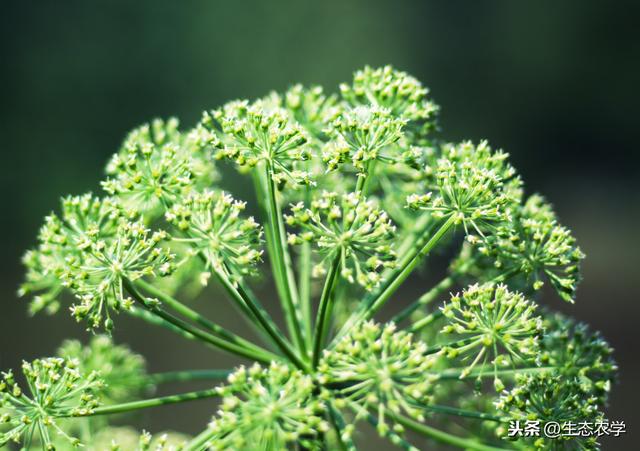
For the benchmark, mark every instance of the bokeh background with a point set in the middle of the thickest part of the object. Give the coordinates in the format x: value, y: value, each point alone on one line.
x: 553, y: 83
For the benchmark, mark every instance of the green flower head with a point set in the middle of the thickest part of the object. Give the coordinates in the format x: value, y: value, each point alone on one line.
x: 577, y: 352
x: 96, y: 275
x: 56, y: 389
x: 474, y: 186
x: 377, y: 368
x: 83, y: 220
x: 494, y: 325
x: 152, y: 170
x: 213, y: 226
x: 122, y: 370
x: 251, y: 133
x: 397, y: 91
x: 349, y: 228
x: 267, y: 409
x: 360, y: 136
x: 536, y: 246
x: 547, y: 397
x: 311, y: 108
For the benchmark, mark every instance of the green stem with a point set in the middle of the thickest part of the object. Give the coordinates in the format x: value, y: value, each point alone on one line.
x: 404, y: 269
x: 338, y: 423
x: 482, y: 372
x: 259, y: 354
x: 188, y: 375
x: 282, y: 266
x: 442, y: 436
x: 453, y: 344
x: 199, y: 442
x: 363, y: 181
x: 462, y: 413
x: 151, y: 318
x: 154, y: 402
x: 237, y: 291
x: 304, y: 283
x: 325, y: 309
x: 194, y: 316
x: 425, y: 321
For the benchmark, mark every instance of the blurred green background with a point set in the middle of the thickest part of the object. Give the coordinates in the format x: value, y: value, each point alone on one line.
x: 553, y: 83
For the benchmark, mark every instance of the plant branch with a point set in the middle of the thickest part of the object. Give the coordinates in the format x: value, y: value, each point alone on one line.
x: 198, y: 443
x: 257, y: 354
x: 238, y: 293
x: 442, y: 436
x: 192, y: 315
x: 153, y: 402
x: 281, y: 263
x: 337, y: 421
x: 325, y: 309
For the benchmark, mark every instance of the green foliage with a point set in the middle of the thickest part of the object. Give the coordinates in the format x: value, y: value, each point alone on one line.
x: 373, y: 191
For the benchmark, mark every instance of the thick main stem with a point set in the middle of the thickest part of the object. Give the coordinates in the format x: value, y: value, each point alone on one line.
x: 325, y: 309
x: 282, y: 264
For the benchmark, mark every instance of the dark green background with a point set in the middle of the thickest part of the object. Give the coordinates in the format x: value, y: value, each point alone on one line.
x: 555, y: 83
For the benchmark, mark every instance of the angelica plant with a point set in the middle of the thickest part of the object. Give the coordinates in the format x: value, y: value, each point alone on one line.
x: 353, y: 194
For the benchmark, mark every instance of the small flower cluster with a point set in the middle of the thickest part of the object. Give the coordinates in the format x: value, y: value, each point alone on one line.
x: 397, y: 91
x: 251, y: 133
x: 213, y: 226
x: 381, y: 369
x: 577, y: 352
x: 550, y: 397
x: 311, y: 108
x: 97, y: 276
x: 151, y: 170
x: 475, y: 187
x: 84, y: 220
x: 122, y: 371
x: 266, y: 409
x: 534, y: 245
x: 492, y: 323
x: 350, y: 229
x: 57, y: 389
x: 360, y: 134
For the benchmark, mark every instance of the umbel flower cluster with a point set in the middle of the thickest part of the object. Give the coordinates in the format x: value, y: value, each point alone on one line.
x: 354, y: 192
